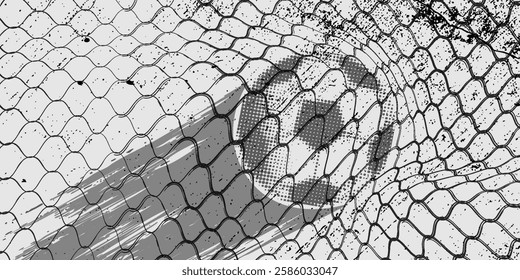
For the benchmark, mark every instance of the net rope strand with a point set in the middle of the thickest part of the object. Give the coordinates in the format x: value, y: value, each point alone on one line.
x: 259, y: 129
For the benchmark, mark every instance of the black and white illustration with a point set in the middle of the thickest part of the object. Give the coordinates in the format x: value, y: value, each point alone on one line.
x: 259, y: 129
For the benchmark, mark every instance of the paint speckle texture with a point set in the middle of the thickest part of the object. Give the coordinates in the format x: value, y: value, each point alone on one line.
x: 159, y: 129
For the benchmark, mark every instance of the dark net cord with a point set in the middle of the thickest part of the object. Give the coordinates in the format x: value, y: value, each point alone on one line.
x: 259, y: 129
